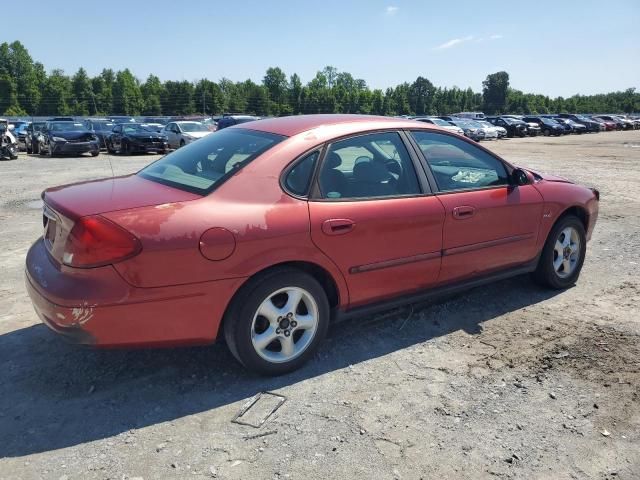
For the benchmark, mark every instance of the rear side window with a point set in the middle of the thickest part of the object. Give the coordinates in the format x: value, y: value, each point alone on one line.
x: 373, y: 165
x: 299, y: 177
x: 458, y: 165
x: 200, y: 166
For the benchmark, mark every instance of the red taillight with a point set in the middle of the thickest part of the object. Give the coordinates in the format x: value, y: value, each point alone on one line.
x: 95, y: 241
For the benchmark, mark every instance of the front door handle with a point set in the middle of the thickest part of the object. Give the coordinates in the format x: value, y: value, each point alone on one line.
x: 338, y: 226
x: 463, y: 212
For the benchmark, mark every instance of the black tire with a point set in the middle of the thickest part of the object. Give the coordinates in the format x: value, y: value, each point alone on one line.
x: 36, y: 148
x: 545, y: 274
x: 546, y: 132
x: 28, y: 149
x: 94, y: 154
x: 163, y: 151
x: 110, y: 150
x: 238, y: 321
x: 181, y: 143
x: 125, y: 148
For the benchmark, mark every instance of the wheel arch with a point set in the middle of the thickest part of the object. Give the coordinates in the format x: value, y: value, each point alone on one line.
x: 319, y: 273
x: 578, y: 211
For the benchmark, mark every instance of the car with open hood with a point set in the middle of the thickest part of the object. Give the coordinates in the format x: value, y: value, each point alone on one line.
x: 265, y: 233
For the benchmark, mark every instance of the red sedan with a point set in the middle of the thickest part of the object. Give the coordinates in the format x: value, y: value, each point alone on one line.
x: 267, y: 231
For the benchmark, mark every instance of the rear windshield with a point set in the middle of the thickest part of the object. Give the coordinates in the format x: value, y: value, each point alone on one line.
x: 200, y: 166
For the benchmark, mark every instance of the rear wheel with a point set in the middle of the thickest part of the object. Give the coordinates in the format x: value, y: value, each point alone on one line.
x: 276, y: 322
x: 546, y: 132
x: 563, y: 254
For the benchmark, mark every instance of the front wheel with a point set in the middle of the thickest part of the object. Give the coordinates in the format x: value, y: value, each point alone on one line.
x: 276, y: 322
x: 562, y: 255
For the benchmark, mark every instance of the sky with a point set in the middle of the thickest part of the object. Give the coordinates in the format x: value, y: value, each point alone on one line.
x: 556, y: 48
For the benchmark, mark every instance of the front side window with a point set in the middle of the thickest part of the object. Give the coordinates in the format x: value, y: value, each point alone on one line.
x: 458, y: 165
x: 374, y: 165
x: 200, y: 166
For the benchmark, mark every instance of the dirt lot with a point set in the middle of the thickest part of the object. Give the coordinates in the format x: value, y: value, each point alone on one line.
x: 507, y: 381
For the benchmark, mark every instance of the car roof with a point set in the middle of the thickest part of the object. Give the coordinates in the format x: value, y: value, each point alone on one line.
x: 293, y: 125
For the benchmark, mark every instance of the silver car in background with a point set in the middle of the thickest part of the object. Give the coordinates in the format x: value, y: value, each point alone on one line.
x: 182, y: 133
x: 440, y: 123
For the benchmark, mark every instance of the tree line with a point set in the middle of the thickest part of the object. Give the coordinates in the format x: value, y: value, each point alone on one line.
x: 27, y: 89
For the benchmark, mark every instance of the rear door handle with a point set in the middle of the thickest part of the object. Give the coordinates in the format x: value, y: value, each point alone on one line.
x: 463, y: 212
x: 338, y: 226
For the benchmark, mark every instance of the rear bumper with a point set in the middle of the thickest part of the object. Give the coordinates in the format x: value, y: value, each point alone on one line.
x: 98, y: 307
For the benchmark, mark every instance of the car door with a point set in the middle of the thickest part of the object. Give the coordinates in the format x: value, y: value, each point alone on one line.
x: 170, y: 130
x: 490, y: 224
x: 373, y: 214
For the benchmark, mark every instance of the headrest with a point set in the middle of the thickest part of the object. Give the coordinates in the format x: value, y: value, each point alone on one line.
x: 373, y: 172
x: 333, y: 160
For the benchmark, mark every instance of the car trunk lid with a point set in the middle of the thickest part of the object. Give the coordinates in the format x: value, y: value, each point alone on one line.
x: 64, y: 205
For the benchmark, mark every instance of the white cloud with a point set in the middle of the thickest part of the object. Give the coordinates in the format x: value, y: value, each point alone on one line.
x: 453, y: 42
x: 496, y: 36
x: 391, y: 10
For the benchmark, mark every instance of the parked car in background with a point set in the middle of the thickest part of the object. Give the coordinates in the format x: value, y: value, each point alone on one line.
x: 629, y: 124
x: 158, y: 127
x: 608, y: 124
x: 471, y: 115
x: 61, y: 119
x: 617, y: 122
x: 263, y: 235
x: 548, y: 125
x: 470, y: 129
x: 20, y: 132
x: 441, y: 123
x: 32, y: 137
x: 182, y: 133
x: 513, y: 126
x: 230, y: 120
x: 101, y: 127
x: 575, y: 127
x: 501, y: 132
x: 122, y: 119
x: 211, y: 124
x: 67, y: 138
x: 590, y: 125
x: 129, y: 138
x: 158, y: 120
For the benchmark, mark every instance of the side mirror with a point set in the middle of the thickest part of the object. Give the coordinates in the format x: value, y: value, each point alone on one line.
x: 519, y: 177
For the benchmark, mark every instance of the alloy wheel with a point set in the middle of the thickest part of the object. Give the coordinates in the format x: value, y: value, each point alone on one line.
x: 284, y: 325
x: 566, y: 252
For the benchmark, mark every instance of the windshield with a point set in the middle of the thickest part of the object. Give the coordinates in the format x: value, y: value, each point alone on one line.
x: 485, y: 124
x: 66, y: 127
x: 201, y: 166
x: 103, y: 126
x: 582, y: 117
x: 439, y: 121
x: 136, y: 127
x: 36, y: 127
x: 193, y: 127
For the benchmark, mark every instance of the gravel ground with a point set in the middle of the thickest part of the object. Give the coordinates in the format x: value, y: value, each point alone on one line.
x: 507, y: 381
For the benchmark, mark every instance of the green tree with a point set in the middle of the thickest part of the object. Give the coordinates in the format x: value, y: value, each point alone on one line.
x: 8, y: 93
x: 83, y: 101
x: 127, y: 97
x: 421, y: 96
x: 494, y: 92
x: 178, y: 98
x: 152, y: 91
x: 275, y: 81
x: 295, y: 93
x: 56, y: 95
x: 208, y: 97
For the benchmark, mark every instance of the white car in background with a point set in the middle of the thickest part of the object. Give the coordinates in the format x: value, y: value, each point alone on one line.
x: 440, y: 123
x: 501, y: 131
x: 490, y: 132
x: 182, y: 133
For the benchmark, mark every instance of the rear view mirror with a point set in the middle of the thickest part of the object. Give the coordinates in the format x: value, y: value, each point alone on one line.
x: 519, y: 177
